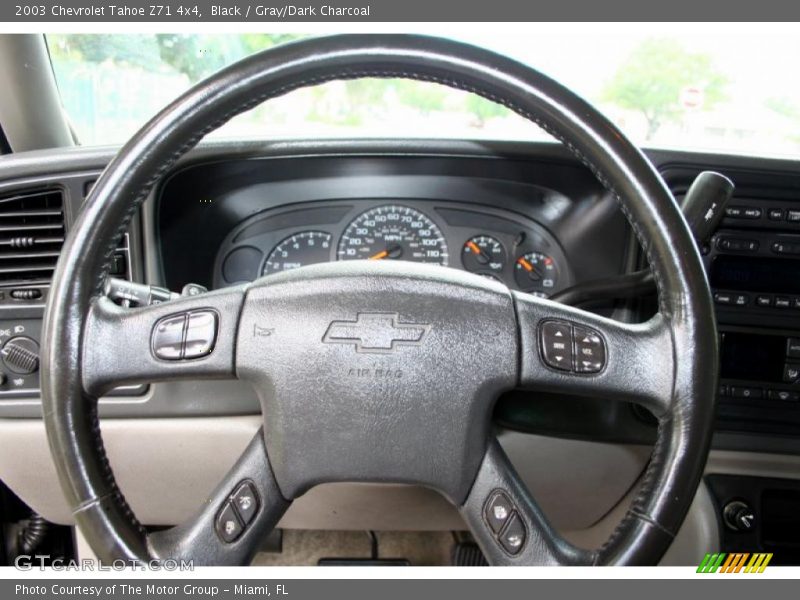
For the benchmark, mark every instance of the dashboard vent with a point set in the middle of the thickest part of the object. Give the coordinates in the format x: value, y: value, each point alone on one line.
x: 31, y: 236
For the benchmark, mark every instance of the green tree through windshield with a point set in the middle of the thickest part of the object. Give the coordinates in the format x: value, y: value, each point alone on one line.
x: 654, y: 77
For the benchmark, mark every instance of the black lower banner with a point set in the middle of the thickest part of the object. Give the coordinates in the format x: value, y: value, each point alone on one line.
x: 389, y: 589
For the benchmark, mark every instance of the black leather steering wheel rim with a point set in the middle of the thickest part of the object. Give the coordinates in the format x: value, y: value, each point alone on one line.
x: 685, y: 309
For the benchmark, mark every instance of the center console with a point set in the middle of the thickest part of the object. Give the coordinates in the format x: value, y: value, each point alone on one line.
x: 753, y: 265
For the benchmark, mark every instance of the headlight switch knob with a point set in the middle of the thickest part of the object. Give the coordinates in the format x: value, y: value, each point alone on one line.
x: 21, y: 355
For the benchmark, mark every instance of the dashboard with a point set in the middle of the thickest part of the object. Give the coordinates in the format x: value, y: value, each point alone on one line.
x: 527, y: 215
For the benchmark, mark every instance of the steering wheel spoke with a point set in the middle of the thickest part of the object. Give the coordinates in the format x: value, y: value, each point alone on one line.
x: 569, y: 350
x: 233, y: 521
x: 191, y: 337
x: 508, y: 524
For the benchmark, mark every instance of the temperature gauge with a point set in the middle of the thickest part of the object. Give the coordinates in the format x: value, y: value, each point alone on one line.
x: 483, y: 254
x: 536, y: 273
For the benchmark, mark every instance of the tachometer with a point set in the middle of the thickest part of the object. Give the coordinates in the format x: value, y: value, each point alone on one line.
x: 393, y: 232
x: 299, y: 250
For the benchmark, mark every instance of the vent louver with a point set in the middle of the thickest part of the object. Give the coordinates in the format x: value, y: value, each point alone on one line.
x: 31, y: 236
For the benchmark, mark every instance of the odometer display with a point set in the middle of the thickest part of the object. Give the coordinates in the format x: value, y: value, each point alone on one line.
x: 393, y: 232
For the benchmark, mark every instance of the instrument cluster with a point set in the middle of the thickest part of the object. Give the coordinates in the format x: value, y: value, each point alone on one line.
x: 502, y: 245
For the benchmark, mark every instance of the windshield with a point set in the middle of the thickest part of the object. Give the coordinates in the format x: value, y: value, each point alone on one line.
x: 725, y: 92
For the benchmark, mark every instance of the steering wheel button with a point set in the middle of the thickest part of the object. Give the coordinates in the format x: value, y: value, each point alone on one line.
x: 168, y: 335
x: 497, y: 511
x: 201, y: 333
x: 228, y: 526
x: 556, y: 344
x: 590, y: 351
x: 513, y: 536
x: 245, y: 500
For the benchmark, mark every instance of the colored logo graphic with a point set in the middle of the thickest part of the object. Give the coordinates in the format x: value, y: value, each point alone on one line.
x: 737, y: 562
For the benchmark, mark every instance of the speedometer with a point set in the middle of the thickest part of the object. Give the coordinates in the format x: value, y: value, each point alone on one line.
x: 393, y: 232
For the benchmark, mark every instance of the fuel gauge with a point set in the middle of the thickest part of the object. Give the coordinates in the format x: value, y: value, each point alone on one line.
x: 483, y: 254
x: 536, y: 273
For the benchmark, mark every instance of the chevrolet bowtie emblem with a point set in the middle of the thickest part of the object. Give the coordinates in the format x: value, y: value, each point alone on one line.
x: 375, y: 332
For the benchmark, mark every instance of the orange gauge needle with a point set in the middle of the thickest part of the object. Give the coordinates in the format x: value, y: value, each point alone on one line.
x: 380, y: 255
x: 474, y: 247
x: 525, y: 264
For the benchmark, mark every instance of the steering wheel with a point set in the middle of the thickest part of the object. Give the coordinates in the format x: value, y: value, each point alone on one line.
x: 366, y: 371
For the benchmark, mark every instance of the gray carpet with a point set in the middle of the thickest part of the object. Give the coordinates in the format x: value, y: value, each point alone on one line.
x: 305, y: 547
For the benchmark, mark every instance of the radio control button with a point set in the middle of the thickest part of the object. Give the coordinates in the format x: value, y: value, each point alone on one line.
x: 741, y: 299
x: 556, y: 340
x: 723, y: 298
x: 590, y: 352
x: 793, y: 216
x: 743, y: 212
x: 782, y: 302
x: 784, y: 395
x: 791, y: 373
x: 764, y: 301
x: 734, y: 212
x: 785, y: 248
x: 747, y: 392
x: 795, y: 302
x: 793, y: 348
x: 738, y: 244
x: 775, y: 214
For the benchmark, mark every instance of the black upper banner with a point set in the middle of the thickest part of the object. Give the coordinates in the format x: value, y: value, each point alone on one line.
x: 356, y: 11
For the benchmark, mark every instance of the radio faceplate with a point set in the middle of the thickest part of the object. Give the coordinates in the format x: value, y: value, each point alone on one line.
x: 753, y: 265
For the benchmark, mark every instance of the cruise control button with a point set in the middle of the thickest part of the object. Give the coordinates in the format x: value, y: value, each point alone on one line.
x: 201, y: 333
x: 245, y: 500
x: 556, y: 343
x: 513, y: 536
x: 497, y: 511
x: 590, y: 351
x: 168, y: 337
x: 227, y: 525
